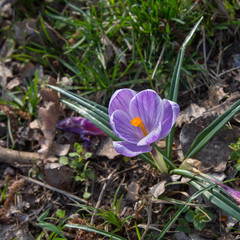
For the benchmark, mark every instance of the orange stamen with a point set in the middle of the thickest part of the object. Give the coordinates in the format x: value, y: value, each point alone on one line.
x: 137, y: 122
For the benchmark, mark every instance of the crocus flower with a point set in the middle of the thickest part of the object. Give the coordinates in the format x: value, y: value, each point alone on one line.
x: 140, y: 119
x: 81, y: 126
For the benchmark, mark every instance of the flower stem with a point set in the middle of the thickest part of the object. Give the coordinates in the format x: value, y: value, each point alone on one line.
x: 159, y: 161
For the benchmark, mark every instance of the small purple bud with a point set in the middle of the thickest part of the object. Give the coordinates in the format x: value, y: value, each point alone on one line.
x: 81, y: 126
x: 233, y: 193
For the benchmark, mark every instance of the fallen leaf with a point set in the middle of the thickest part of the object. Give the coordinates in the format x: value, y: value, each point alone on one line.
x: 58, y: 176
x: 61, y: 149
x: 132, y: 194
x: 35, y: 124
x: 5, y: 73
x: 106, y: 149
x: 158, y: 189
x: 66, y: 81
x: 48, y: 116
x: 216, y: 94
x: 13, y: 83
x: 192, y: 112
x: 29, y: 71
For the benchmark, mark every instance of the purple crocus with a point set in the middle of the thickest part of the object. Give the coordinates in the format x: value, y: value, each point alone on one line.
x: 81, y: 126
x: 140, y: 119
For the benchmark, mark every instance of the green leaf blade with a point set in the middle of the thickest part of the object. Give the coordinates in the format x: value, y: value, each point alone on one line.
x: 173, y: 95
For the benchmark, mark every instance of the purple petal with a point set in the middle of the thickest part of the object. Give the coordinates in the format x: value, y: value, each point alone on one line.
x: 149, y: 107
x: 120, y: 100
x: 130, y: 149
x: 152, y: 137
x: 171, y: 111
x: 121, y: 125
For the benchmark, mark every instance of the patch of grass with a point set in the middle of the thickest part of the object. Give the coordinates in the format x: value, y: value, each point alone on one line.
x: 111, y: 44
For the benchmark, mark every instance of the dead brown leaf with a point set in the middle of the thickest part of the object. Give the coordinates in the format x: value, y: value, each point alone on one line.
x: 13, y: 83
x: 61, y: 149
x: 216, y: 94
x: 5, y: 73
x: 158, y: 189
x: 133, y: 189
x: 106, y: 149
x: 48, y: 116
x: 192, y: 112
x: 32, y: 30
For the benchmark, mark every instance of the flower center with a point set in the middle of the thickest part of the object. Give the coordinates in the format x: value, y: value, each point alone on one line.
x: 137, y: 122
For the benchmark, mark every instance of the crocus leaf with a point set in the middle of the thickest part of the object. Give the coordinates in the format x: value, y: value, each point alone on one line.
x: 96, y: 108
x: 212, y: 195
x: 206, y: 135
x: 96, y: 230
x: 173, y: 94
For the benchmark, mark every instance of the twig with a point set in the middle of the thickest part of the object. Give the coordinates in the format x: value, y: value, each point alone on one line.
x: 101, y: 194
x: 230, y: 70
x: 159, y: 60
x: 69, y: 195
x: 220, y: 55
x: 149, y: 220
x: 13, y: 156
x: 205, y: 54
x: 13, y: 189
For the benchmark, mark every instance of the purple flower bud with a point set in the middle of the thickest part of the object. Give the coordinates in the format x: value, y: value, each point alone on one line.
x: 233, y: 193
x: 81, y: 126
x: 140, y: 119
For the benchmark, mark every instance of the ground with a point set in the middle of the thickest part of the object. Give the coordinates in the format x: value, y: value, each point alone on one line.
x: 50, y: 177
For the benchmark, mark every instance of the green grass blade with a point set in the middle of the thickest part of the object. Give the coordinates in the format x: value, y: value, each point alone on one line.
x: 99, y: 109
x: 206, y: 135
x: 96, y: 230
x: 94, y: 114
x: 45, y: 30
x: 144, y: 64
x: 51, y: 227
x: 173, y: 95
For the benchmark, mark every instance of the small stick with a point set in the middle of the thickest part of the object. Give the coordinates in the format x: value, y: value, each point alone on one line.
x: 149, y: 220
x: 230, y: 70
x: 220, y: 55
x: 13, y: 156
x: 205, y: 53
x: 69, y: 195
x: 159, y: 60
x: 101, y: 194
